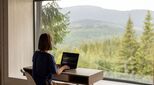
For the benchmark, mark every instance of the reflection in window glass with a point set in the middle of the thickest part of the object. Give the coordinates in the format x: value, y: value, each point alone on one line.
x: 115, y: 39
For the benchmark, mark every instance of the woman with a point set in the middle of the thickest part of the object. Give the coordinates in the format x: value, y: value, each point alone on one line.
x: 44, y: 65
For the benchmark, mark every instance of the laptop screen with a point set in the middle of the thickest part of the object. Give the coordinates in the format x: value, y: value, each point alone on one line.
x: 70, y: 59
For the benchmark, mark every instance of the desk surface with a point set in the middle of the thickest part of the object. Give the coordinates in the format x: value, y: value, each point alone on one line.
x: 79, y: 75
x: 82, y: 72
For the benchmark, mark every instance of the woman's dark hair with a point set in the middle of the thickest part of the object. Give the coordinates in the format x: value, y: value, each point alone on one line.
x: 45, y: 42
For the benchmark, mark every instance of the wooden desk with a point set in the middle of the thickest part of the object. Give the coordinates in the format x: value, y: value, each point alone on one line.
x: 78, y: 76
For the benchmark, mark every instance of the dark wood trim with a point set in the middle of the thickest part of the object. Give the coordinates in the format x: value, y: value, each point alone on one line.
x: 5, y: 40
x: 34, y: 26
x: 1, y: 42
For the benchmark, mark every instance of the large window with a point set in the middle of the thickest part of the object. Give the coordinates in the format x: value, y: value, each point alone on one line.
x: 116, y: 36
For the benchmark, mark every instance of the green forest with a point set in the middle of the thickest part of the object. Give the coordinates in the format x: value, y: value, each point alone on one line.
x: 127, y: 54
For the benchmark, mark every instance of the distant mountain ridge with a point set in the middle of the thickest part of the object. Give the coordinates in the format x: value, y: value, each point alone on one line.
x: 96, y: 23
x: 79, y: 13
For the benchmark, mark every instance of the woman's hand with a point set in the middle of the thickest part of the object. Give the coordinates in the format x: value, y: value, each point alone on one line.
x: 60, y: 70
x: 66, y: 67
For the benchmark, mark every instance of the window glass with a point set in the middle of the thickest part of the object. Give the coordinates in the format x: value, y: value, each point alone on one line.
x: 116, y: 38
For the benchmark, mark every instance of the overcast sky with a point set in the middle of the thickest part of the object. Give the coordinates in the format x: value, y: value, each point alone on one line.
x: 122, y: 5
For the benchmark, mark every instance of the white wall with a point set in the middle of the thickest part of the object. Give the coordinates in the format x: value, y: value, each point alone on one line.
x: 20, y: 36
x: 16, y: 39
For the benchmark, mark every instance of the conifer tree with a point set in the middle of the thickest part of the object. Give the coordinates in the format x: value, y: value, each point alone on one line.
x: 144, y: 53
x: 128, y: 49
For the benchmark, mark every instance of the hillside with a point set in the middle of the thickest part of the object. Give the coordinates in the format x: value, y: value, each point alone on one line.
x: 78, y: 13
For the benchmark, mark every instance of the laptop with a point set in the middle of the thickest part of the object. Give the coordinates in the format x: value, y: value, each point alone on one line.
x: 70, y: 59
